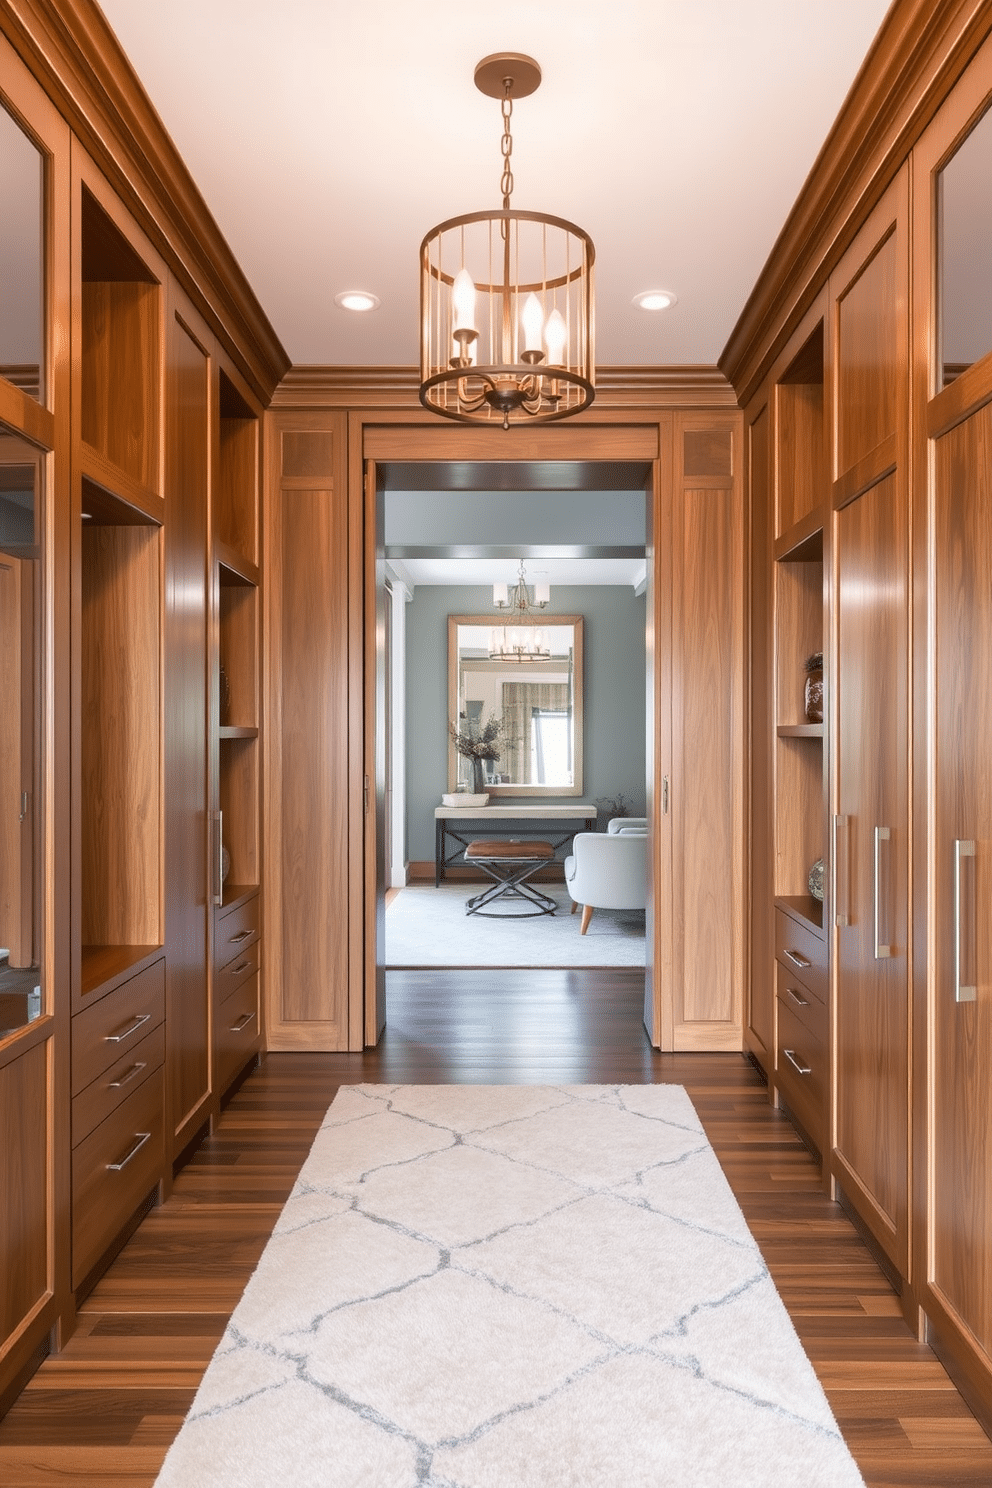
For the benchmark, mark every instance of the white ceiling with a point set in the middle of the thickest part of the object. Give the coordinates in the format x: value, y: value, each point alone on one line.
x: 621, y: 572
x: 328, y: 136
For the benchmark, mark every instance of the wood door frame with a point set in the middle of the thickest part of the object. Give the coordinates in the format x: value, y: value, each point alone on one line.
x: 374, y: 438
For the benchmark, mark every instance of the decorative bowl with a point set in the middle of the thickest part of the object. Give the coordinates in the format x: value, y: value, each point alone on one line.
x: 466, y: 799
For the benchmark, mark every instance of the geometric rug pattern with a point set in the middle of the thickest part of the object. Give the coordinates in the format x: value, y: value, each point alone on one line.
x: 510, y: 1287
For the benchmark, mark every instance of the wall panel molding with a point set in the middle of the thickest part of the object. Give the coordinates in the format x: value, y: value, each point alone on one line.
x: 363, y: 388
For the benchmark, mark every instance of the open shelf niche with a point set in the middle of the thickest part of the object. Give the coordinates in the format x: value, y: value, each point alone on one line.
x: 121, y: 350
x: 800, y: 781
x: 238, y: 728
x: 235, y: 501
x: 120, y: 731
x: 801, y: 444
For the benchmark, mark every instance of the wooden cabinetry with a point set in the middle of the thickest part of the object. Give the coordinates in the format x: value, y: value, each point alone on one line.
x: 118, y: 1110
x: 870, y: 1156
x: 906, y: 514
x: 130, y: 393
x: 310, y: 552
x: 236, y: 869
x: 35, y: 866
x: 788, y: 1020
x: 952, y: 867
x: 802, y: 1058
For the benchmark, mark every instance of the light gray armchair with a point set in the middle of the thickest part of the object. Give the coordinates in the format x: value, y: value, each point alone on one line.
x: 607, y: 871
x: 626, y: 824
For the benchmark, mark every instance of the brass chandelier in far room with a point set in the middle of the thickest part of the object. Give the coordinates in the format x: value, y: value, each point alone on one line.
x: 506, y: 298
x: 521, y: 640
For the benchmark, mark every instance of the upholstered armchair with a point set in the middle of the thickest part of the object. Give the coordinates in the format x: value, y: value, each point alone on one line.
x: 607, y: 870
x: 626, y: 824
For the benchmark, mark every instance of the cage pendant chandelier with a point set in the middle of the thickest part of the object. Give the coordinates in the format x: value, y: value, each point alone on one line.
x: 506, y: 298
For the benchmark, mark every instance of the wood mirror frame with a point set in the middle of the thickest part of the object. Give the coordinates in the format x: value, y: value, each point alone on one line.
x: 494, y: 621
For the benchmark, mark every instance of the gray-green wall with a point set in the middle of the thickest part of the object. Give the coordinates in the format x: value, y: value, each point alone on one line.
x: 614, y: 696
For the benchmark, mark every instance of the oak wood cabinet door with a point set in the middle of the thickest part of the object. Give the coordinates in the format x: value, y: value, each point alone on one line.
x: 871, y: 846
x: 960, y: 1262
x: 870, y: 1154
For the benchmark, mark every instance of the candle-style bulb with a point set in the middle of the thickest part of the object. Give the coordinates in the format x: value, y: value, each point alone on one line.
x: 533, y: 322
x: 463, y: 301
x: 555, y: 337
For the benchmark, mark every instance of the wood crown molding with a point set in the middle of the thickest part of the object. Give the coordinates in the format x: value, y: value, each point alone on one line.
x: 74, y: 55
x: 918, y: 55
x: 397, y: 388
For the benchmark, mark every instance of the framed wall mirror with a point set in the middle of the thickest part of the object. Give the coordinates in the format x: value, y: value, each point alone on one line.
x: 964, y: 253
x: 522, y: 684
x: 21, y: 752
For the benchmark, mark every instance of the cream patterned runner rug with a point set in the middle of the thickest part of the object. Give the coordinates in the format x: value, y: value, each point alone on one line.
x: 510, y: 1286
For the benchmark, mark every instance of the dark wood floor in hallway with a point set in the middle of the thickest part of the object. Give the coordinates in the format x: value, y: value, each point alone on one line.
x: 104, y: 1411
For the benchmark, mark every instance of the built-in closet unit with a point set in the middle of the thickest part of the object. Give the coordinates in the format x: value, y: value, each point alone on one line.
x: 864, y: 365
x: 130, y: 581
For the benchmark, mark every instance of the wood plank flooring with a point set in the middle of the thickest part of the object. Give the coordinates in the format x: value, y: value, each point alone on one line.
x: 104, y: 1411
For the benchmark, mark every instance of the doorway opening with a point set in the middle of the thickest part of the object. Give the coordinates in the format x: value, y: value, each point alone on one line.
x: 446, y: 532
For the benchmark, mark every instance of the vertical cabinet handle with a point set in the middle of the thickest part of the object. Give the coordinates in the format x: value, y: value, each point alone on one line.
x: 965, y: 990
x: 218, y: 857
x: 882, y: 950
x: 840, y: 873
x: 664, y: 795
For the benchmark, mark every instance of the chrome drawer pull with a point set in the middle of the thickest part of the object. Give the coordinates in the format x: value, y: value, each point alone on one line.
x: 964, y: 990
x: 128, y: 1075
x: 242, y: 1023
x: 802, y: 1069
x: 124, y: 1033
x: 241, y: 966
x: 798, y: 960
x: 799, y: 1001
x: 141, y: 1139
x: 237, y: 939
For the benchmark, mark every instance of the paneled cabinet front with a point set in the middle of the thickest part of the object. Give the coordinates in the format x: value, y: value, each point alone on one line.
x: 871, y: 822
x: 118, y: 1111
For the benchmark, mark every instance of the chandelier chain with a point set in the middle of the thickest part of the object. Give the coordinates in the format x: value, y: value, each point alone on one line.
x: 506, y: 144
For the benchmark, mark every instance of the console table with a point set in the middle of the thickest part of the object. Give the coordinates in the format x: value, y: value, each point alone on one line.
x: 463, y: 824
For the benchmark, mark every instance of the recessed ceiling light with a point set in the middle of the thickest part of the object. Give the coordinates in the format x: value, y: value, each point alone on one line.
x: 655, y: 299
x: 356, y: 299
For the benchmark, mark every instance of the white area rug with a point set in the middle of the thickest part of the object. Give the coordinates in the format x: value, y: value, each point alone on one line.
x: 429, y: 927
x: 510, y: 1287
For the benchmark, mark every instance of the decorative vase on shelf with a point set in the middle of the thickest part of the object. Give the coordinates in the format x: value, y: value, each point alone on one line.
x: 225, y: 863
x: 478, y: 777
x: 815, y: 880
x: 814, y: 687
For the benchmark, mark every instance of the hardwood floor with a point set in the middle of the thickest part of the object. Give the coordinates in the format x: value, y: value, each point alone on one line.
x: 104, y: 1411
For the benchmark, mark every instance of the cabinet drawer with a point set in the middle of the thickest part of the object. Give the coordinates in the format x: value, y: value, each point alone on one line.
x: 103, y: 1033
x: 234, y: 931
x: 112, y: 1171
x: 235, y: 1031
x: 243, y: 966
x: 113, y: 1086
x: 803, y: 952
x: 801, y: 1001
x: 801, y: 1072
